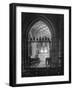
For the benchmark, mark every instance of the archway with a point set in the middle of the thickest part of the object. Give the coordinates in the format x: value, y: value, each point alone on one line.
x: 41, y: 43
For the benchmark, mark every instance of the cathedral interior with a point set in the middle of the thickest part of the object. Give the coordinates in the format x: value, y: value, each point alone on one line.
x: 42, y: 47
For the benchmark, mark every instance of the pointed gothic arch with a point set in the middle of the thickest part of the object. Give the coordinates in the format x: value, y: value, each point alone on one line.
x: 42, y: 28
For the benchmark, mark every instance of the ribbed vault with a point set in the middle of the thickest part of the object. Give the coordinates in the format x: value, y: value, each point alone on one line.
x: 40, y: 30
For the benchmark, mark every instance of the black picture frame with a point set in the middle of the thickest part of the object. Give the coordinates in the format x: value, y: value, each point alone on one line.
x: 12, y: 64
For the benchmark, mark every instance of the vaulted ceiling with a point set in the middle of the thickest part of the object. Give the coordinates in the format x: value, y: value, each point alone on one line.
x: 40, y: 29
